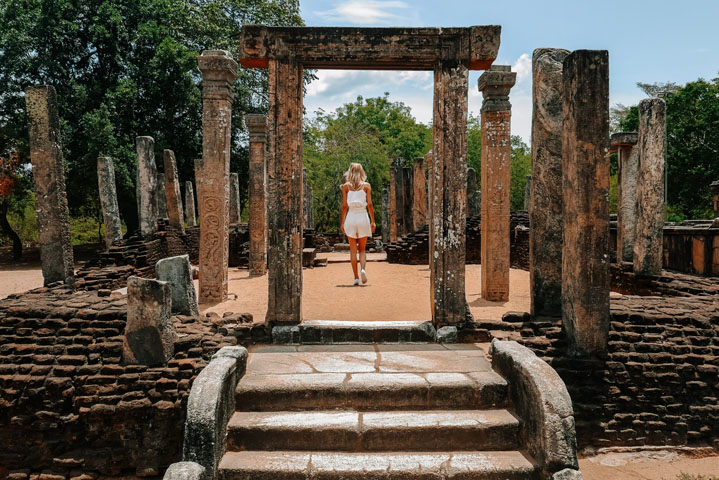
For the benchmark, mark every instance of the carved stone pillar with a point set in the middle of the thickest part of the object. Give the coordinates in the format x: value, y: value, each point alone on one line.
x: 545, y: 205
x: 419, y: 195
x: 585, y: 166
x: 257, y: 126
x: 218, y: 74
x: 284, y: 169
x: 53, y: 218
x: 172, y: 192
x: 448, y: 195
x: 648, y: 242
x: 628, y: 162
x: 108, y: 201
x: 190, y: 217
x: 495, y: 84
x: 146, y: 185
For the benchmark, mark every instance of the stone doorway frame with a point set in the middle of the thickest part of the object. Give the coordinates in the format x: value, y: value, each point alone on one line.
x: 450, y: 53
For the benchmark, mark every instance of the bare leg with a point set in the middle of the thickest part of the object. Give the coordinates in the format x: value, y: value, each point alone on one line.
x: 353, y: 255
x: 362, y: 243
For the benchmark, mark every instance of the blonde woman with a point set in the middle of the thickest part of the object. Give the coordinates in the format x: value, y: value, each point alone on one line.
x: 356, y: 201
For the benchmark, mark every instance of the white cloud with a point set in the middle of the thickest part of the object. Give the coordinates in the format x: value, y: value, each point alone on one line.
x: 365, y: 12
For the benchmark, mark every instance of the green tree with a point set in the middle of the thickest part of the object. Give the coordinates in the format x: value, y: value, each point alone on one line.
x: 520, y: 166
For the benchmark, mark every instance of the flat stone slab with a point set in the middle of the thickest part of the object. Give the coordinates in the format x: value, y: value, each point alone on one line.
x: 425, y: 465
x: 369, y: 377
x: 436, y: 430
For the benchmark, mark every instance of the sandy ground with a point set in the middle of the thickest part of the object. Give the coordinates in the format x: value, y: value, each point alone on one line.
x: 647, y: 465
x: 393, y: 292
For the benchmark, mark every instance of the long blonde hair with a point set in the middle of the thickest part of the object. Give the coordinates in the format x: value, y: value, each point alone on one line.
x: 356, y: 176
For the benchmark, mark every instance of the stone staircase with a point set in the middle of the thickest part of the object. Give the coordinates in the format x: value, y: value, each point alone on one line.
x: 373, y: 411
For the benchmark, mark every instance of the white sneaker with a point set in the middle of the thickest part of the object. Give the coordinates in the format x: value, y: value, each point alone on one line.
x: 356, y: 282
x: 363, y: 274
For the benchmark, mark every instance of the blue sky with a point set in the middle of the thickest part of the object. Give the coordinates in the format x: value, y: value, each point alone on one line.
x: 648, y: 41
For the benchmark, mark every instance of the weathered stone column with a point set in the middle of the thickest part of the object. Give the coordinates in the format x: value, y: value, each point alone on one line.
x: 448, y: 195
x: 545, y: 205
x: 715, y: 193
x: 419, y: 195
x: 172, y: 191
x: 408, y: 187
x: 161, y: 196
x: 198, y: 183
x: 527, y: 192
x: 53, y: 218
x: 473, y: 205
x: 428, y: 157
x: 648, y: 242
x: 393, y: 233
x: 628, y: 162
x: 257, y: 126
x: 385, y: 215
x: 235, y: 208
x: 308, y: 217
x: 585, y: 165
x: 218, y: 74
x: 190, y: 205
x: 149, y: 337
x: 495, y: 84
x: 146, y: 185
x: 284, y: 169
x: 108, y: 201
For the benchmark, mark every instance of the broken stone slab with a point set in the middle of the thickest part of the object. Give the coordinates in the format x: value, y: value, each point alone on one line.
x: 190, y: 216
x: 209, y: 407
x: 447, y: 334
x: 184, y: 471
x: 542, y: 401
x: 177, y: 272
x: 567, y: 474
x: 149, y: 332
x: 161, y: 196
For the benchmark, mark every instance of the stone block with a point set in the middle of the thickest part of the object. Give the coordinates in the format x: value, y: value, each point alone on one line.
x: 285, y: 334
x: 567, y: 474
x: 149, y: 332
x: 177, y: 272
x: 184, y: 471
x: 447, y: 334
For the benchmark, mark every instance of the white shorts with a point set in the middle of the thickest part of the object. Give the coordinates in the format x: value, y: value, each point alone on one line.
x: 357, y: 224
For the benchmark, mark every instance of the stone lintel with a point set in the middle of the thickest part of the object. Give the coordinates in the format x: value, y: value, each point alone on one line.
x: 623, y: 139
x: 403, y: 48
x: 495, y: 85
x: 219, y: 71
x: 257, y: 125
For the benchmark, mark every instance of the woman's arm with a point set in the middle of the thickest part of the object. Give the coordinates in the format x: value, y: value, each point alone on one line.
x: 370, y: 207
x: 344, y: 209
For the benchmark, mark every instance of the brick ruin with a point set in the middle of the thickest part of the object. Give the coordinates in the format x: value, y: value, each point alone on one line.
x: 641, y: 369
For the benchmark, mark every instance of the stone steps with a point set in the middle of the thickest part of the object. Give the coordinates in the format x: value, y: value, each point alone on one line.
x: 286, y: 465
x: 373, y: 411
x: 434, y: 430
x: 326, y: 332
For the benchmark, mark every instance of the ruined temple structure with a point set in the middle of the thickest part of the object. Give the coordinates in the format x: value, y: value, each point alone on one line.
x: 95, y: 383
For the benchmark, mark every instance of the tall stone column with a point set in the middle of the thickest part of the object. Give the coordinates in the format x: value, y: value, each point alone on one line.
x: 235, y: 208
x: 108, y: 201
x: 648, y: 242
x: 146, y: 185
x: 257, y: 126
x: 161, y: 196
x: 428, y: 158
x: 190, y: 217
x: 585, y: 165
x: 473, y: 205
x: 448, y: 195
x: 715, y: 193
x: 393, y: 220
x: 628, y: 162
x: 308, y: 217
x: 419, y: 195
x: 218, y: 74
x: 284, y: 169
x: 53, y: 218
x: 385, y: 215
x: 545, y: 204
x: 408, y: 187
x: 397, y: 174
x: 527, y: 192
x: 172, y: 192
x: 495, y: 84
